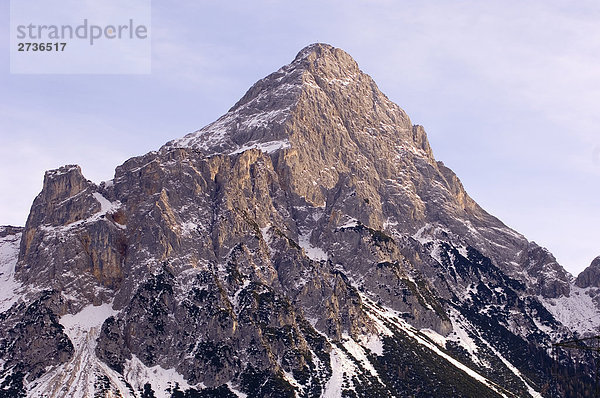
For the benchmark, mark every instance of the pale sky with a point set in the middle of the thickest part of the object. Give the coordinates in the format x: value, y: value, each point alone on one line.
x: 508, y: 93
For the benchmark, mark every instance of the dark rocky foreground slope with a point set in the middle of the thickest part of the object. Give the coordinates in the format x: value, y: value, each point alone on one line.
x: 307, y: 244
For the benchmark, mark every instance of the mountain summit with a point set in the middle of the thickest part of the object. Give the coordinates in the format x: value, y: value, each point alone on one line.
x: 276, y: 111
x: 338, y: 125
x: 305, y: 244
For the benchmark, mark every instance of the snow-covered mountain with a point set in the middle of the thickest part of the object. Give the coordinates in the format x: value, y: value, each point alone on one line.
x: 307, y: 243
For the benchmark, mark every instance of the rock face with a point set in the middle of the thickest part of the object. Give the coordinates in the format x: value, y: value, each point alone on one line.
x: 307, y: 243
x: 589, y: 281
x: 590, y: 277
x: 73, y: 237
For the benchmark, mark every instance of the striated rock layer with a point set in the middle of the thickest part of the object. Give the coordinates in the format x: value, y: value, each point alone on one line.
x: 307, y: 243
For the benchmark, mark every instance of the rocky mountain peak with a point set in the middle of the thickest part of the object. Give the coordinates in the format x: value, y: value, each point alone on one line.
x: 322, y: 84
x: 64, y: 199
x: 325, y: 61
x: 64, y: 182
x: 590, y: 277
x: 305, y: 244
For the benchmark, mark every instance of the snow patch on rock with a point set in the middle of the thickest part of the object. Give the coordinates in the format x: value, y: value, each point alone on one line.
x: 577, y: 312
x: 341, y: 365
x: 380, y: 313
x: 9, y: 253
x: 266, y: 147
x: 106, y: 207
x: 435, y: 337
x: 160, y: 379
x: 77, y: 377
x: 314, y: 253
x: 89, y: 318
x: 374, y: 343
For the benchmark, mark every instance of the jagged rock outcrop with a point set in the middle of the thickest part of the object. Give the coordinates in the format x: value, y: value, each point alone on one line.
x: 589, y: 281
x: 300, y: 245
x: 9, y: 230
x: 545, y: 274
x: 590, y: 277
x: 73, y: 238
